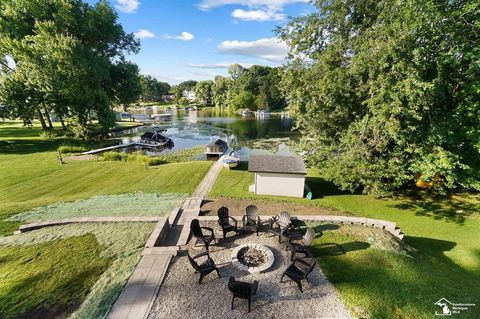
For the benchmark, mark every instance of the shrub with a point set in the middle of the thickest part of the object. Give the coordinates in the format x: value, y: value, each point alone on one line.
x: 183, y: 101
x: 47, y: 135
x: 64, y: 149
x: 134, y: 157
x: 115, y: 156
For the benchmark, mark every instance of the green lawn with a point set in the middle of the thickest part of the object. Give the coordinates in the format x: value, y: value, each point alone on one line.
x: 445, y: 231
x: 119, y: 243
x: 383, y: 282
x: 31, y: 176
x: 48, y: 279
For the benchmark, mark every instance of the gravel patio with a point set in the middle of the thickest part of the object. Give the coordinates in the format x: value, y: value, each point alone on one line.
x: 180, y: 296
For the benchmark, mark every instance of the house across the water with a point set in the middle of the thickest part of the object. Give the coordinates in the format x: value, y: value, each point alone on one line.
x: 282, y: 173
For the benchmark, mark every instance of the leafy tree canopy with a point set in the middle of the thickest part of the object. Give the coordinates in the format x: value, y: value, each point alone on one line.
x: 69, y: 58
x: 390, y: 91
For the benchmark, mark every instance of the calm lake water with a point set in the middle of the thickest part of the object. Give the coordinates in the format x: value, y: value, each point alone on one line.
x: 196, y: 128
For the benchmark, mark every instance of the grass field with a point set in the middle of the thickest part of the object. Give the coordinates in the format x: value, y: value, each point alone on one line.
x: 444, y: 230
x: 38, y: 281
x: 32, y: 177
x: 379, y: 280
x: 120, y: 244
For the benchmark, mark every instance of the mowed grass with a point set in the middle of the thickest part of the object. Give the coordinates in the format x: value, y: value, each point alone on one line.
x: 121, y: 244
x: 48, y: 280
x: 31, y: 175
x: 384, y: 283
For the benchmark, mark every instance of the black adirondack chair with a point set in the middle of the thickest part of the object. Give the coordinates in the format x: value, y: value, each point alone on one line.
x: 302, y: 245
x: 281, y: 225
x: 299, y: 270
x: 243, y: 290
x: 226, y: 222
x: 251, y: 220
x: 197, y: 232
x: 204, y: 268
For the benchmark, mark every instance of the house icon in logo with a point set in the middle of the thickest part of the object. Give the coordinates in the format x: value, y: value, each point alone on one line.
x: 446, y: 307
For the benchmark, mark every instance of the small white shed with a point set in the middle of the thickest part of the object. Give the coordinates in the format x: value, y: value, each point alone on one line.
x: 281, y: 174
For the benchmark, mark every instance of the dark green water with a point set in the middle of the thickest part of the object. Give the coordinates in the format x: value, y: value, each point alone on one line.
x: 197, y: 128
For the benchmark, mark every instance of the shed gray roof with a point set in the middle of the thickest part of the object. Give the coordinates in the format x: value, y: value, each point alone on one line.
x: 278, y: 163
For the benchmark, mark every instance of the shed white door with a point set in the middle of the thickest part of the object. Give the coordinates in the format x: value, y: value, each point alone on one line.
x: 280, y: 184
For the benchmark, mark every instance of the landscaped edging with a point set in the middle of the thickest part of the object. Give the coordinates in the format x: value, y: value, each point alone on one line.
x: 126, y: 219
x: 379, y: 223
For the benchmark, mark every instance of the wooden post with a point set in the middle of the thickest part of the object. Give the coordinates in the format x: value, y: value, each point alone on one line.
x: 59, y: 157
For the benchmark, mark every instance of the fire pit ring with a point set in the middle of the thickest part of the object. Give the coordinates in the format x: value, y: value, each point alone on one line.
x: 253, y: 258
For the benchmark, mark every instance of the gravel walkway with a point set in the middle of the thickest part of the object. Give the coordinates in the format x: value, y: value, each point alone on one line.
x: 181, y: 297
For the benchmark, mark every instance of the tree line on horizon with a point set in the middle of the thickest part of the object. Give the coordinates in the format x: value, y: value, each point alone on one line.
x: 256, y: 87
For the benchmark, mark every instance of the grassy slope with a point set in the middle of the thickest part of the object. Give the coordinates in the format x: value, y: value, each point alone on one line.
x: 383, y: 283
x: 31, y: 176
x: 38, y: 281
x: 121, y: 243
x: 432, y: 225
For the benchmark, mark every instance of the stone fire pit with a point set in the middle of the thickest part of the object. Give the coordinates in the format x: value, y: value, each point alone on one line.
x: 253, y: 258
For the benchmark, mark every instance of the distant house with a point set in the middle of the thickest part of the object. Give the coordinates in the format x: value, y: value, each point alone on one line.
x: 168, y: 97
x: 189, y: 95
x: 281, y: 174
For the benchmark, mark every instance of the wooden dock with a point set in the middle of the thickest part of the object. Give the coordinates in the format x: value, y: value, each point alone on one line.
x: 120, y: 146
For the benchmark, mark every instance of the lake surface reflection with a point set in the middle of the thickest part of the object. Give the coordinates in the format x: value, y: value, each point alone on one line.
x: 195, y: 128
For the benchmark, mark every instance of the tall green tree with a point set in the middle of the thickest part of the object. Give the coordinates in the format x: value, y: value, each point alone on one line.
x: 152, y: 89
x: 390, y: 91
x: 71, y: 58
x: 220, y: 91
x: 203, y: 92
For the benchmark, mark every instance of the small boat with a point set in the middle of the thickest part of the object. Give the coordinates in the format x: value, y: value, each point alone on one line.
x: 262, y: 113
x: 157, y: 139
x: 245, y: 112
x: 230, y: 161
x: 194, y: 108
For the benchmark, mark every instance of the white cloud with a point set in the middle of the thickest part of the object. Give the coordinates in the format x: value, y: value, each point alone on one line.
x: 277, y: 4
x: 144, y: 34
x: 184, y: 36
x: 270, y: 49
x: 258, y: 15
x: 219, y: 65
x: 127, y: 6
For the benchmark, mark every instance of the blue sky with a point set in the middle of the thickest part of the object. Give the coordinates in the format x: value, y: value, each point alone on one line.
x: 198, y: 39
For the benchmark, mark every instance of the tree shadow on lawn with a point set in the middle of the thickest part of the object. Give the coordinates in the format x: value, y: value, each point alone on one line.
x: 37, y: 145
x: 432, y: 247
x: 242, y: 166
x: 28, y: 146
x: 438, y: 207
x: 381, y: 284
x: 333, y: 249
x: 59, y: 304
x: 321, y: 188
